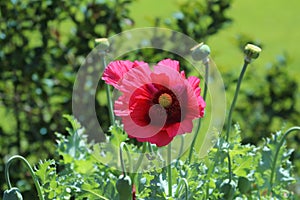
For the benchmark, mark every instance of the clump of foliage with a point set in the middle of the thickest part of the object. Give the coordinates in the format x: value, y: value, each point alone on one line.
x: 80, y: 175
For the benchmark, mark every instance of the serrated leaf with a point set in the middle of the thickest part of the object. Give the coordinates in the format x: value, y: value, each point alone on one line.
x: 282, y: 168
x: 93, y: 192
x: 45, y: 171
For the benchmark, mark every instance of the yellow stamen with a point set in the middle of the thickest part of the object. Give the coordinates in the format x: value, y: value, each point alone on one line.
x: 165, y: 100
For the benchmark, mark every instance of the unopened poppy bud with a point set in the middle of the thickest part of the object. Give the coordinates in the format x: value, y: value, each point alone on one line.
x: 124, y: 187
x: 200, y: 52
x: 251, y: 51
x: 12, y: 194
x: 102, y: 44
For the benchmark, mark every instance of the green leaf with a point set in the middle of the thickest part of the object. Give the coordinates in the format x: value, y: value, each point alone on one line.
x: 45, y: 170
x: 283, y: 167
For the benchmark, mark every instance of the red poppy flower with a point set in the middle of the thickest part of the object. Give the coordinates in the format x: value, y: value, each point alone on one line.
x: 157, y: 105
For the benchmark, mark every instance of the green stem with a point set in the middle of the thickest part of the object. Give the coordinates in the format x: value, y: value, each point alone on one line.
x: 199, y: 120
x: 246, y: 62
x: 137, y: 166
x: 186, y: 186
x: 295, y: 128
x: 108, y: 93
x: 210, y: 170
x: 35, y: 180
x: 122, y: 145
x: 180, y: 150
x: 169, y: 170
x: 150, y: 147
x: 229, y: 167
x: 235, y: 98
x: 141, y: 157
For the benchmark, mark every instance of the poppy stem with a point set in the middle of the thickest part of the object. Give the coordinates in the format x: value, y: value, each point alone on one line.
x: 180, y: 150
x: 206, y: 63
x: 122, y: 145
x: 186, y: 187
x: 295, y: 128
x: 246, y: 62
x: 108, y: 93
x: 141, y: 157
x: 35, y: 180
x: 103, y: 45
x: 251, y: 52
x: 229, y: 121
x: 169, y: 169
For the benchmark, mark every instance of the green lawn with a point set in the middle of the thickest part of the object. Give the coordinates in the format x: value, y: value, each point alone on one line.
x: 274, y: 23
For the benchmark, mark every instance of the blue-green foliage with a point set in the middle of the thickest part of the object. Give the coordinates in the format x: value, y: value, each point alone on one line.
x: 80, y: 174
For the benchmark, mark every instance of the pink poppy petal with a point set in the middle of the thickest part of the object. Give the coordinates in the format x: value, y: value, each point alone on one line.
x: 135, y: 78
x: 116, y: 70
x: 174, y: 77
x: 174, y: 64
x: 194, y: 82
x: 183, y: 74
x: 186, y: 126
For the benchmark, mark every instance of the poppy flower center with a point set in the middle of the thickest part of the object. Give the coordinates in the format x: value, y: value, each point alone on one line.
x: 165, y: 100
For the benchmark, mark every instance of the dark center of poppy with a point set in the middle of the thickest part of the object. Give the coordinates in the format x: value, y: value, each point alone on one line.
x: 165, y: 100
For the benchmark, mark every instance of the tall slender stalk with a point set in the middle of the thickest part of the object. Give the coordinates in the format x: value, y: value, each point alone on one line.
x: 103, y: 46
x: 230, y: 115
x: 169, y: 170
x: 235, y: 98
x: 141, y: 157
x: 251, y: 52
x: 108, y: 94
x: 199, y: 120
x: 200, y: 52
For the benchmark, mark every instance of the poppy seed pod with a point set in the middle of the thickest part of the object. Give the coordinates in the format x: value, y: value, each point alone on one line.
x: 102, y: 44
x: 200, y: 52
x: 251, y: 51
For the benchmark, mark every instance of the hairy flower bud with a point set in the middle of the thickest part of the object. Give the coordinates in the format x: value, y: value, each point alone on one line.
x: 102, y: 44
x: 124, y: 187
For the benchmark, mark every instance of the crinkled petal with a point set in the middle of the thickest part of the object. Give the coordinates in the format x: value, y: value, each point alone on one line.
x: 174, y: 64
x: 116, y: 70
x: 134, y: 79
x: 162, y: 138
x: 194, y: 83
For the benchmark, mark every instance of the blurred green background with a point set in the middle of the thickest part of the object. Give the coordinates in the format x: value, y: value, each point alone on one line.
x: 43, y: 43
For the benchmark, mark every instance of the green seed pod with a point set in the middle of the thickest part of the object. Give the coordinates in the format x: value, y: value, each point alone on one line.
x: 200, y: 52
x: 12, y: 194
x: 124, y: 187
x: 252, y: 51
x: 102, y: 44
x: 244, y: 185
x: 228, y: 189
